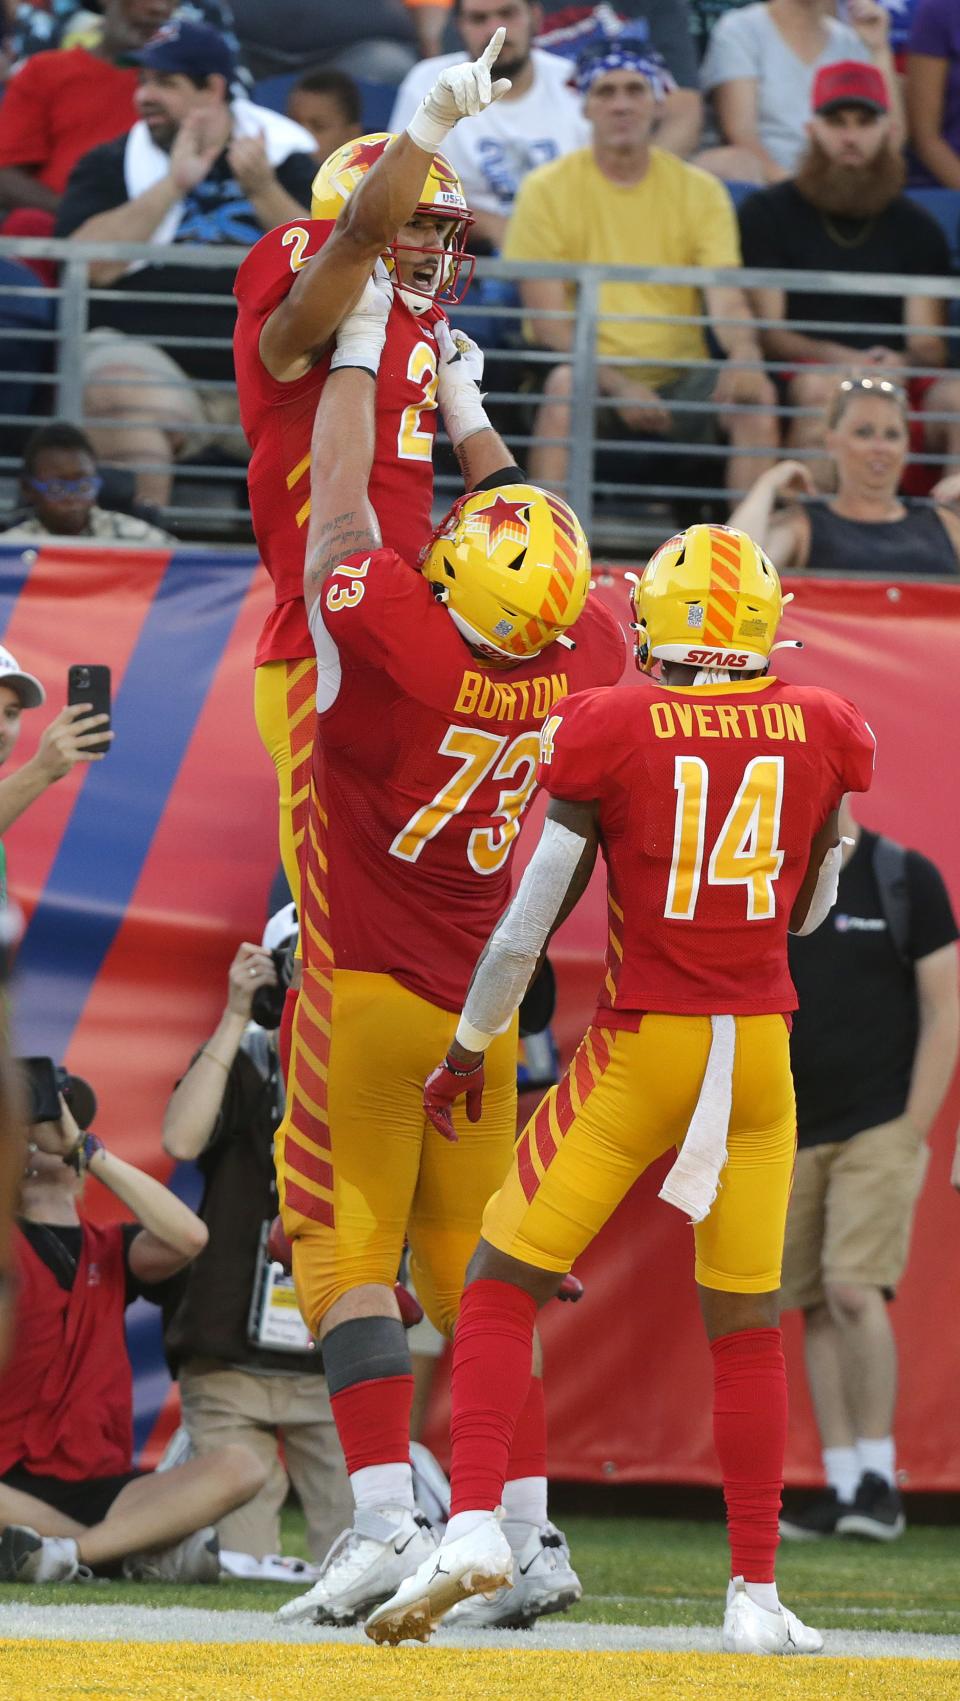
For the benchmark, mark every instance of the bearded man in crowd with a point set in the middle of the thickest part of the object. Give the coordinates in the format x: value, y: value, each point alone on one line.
x: 845, y: 211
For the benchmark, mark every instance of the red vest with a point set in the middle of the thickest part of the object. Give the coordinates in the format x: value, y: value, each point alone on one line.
x: 66, y: 1392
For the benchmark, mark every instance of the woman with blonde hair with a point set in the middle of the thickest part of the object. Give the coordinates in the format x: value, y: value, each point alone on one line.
x: 865, y: 526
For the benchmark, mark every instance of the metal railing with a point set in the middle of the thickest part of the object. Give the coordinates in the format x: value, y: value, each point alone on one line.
x: 620, y: 486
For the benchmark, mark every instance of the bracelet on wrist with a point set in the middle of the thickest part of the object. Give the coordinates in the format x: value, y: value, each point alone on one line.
x: 86, y: 1147
x: 215, y: 1059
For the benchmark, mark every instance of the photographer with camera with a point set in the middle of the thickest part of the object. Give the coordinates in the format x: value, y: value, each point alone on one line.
x: 69, y: 1497
x: 247, y: 1367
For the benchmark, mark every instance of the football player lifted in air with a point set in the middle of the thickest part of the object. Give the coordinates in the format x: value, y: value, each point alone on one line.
x: 713, y: 795
x: 432, y: 687
x: 380, y: 195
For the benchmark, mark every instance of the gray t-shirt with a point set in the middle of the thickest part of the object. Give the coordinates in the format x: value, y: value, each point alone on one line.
x: 748, y: 44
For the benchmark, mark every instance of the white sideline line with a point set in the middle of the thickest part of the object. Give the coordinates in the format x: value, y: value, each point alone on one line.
x: 93, y: 1623
x: 848, y: 1611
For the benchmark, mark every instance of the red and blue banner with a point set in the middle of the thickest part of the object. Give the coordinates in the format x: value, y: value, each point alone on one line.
x: 140, y: 874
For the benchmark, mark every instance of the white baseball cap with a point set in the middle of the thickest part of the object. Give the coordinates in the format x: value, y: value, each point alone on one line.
x: 28, y: 689
x: 283, y: 925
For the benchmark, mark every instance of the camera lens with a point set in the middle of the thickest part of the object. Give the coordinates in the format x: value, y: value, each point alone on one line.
x: 83, y: 677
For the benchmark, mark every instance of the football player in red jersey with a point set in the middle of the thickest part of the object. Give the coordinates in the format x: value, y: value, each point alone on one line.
x: 713, y: 796
x: 432, y: 687
x: 380, y: 195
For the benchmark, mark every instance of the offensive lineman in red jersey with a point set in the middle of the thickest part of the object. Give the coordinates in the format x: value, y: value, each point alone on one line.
x: 432, y: 687
x: 395, y: 197
x: 714, y: 799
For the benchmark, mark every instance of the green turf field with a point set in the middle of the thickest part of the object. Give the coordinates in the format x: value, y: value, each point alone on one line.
x: 659, y: 1571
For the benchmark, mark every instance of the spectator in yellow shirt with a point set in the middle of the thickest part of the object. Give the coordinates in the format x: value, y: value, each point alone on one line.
x: 622, y: 202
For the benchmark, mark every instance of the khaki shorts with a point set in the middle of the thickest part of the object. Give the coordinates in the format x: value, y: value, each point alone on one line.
x: 851, y: 1213
x: 694, y: 384
x: 126, y: 378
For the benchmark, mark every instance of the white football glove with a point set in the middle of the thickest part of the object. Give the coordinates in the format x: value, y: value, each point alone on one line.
x: 461, y: 91
x: 460, y: 371
x: 362, y: 334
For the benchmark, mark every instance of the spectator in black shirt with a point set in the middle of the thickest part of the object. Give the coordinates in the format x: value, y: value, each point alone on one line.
x: 248, y: 1370
x: 196, y: 168
x: 845, y: 211
x: 873, y: 1049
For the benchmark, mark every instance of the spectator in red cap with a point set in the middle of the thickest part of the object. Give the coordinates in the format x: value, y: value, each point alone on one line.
x: 933, y: 93
x: 844, y: 210
x: 760, y: 67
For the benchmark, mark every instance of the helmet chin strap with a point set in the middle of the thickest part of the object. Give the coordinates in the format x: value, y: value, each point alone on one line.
x: 418, y: 304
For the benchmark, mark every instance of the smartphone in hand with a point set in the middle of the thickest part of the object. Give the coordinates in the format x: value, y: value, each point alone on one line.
x: 87, y: 682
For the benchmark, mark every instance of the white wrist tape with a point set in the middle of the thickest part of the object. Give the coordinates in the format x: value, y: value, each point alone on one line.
x: 426, y: 129
x: 512, y: 955
x: 358, y: 348
x: 825, y: 891
x: 464, y: 415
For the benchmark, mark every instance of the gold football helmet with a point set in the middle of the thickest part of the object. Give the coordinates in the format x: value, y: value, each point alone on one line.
x: 442, y: 197
x: 512, y: 566
x: 709, y: 597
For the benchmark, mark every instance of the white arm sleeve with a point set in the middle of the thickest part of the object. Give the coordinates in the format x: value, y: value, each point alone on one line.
x: 824, y: 893
x: 504, y: 975
x: 328, y: 658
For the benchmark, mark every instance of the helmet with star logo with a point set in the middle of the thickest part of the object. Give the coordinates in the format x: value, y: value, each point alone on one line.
x: 512, y: 566
x: 708, y: 597
x: 442, y: 198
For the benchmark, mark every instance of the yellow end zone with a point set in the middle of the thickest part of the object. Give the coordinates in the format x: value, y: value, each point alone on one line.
x: 265, y: 1671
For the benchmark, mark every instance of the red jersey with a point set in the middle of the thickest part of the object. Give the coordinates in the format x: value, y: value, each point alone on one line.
x: 59, y: 106
x: 278, y: 422
x: 709, y: 799
x: 423, y: 768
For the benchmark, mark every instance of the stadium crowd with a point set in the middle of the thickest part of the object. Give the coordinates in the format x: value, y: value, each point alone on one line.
x: 703, y: 136
x: 790, y: 135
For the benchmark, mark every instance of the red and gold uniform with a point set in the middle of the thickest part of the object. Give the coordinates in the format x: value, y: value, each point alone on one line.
x: 709, y: 798
x: 425, y: 762
x: 278, y: 421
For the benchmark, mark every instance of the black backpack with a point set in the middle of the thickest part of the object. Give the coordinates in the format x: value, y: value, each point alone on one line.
x: 890, y: 873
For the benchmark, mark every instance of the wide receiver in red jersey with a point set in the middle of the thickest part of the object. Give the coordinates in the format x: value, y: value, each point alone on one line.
x: 432, y: 687
x: 714, y: 798
x: 395, y: 197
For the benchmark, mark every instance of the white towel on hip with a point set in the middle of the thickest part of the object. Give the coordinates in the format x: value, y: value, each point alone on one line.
x: 694, y: 1180
x: 144, y: 163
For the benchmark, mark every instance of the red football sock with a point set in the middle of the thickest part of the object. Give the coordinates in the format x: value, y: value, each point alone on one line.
x: 528, y: 1455
x: 492, y: 1361
x: 285, y: 1038
x: 750, y: 1433
x: 373, y: 1421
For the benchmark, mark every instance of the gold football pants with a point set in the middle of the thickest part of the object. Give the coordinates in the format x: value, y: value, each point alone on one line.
x: 627, y: 1098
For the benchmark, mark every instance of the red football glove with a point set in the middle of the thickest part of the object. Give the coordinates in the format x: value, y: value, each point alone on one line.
x: 444, y: 1087
x: 571, y: 1288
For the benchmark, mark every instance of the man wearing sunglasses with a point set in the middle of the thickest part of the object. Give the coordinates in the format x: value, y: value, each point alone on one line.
x: 60, y: 484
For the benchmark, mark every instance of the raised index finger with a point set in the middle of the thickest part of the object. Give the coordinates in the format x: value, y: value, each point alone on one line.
x: 491, y: 52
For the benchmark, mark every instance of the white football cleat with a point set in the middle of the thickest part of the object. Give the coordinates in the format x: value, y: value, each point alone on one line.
x: 544, y: 1581
x: 365, y: 1564
x: 751, y: 1629
x: 26, y: 1557
x: 477, y: 1563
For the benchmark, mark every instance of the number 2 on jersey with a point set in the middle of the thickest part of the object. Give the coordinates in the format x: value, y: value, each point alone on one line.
x: 413, y: 442
x: 476, y: 752
x: 746, y: 852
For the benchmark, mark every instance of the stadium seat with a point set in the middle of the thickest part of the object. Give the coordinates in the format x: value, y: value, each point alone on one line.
x: 376, y: 99
x: 944, y: 206
x: 274, y: 92
x: 23, y: 358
